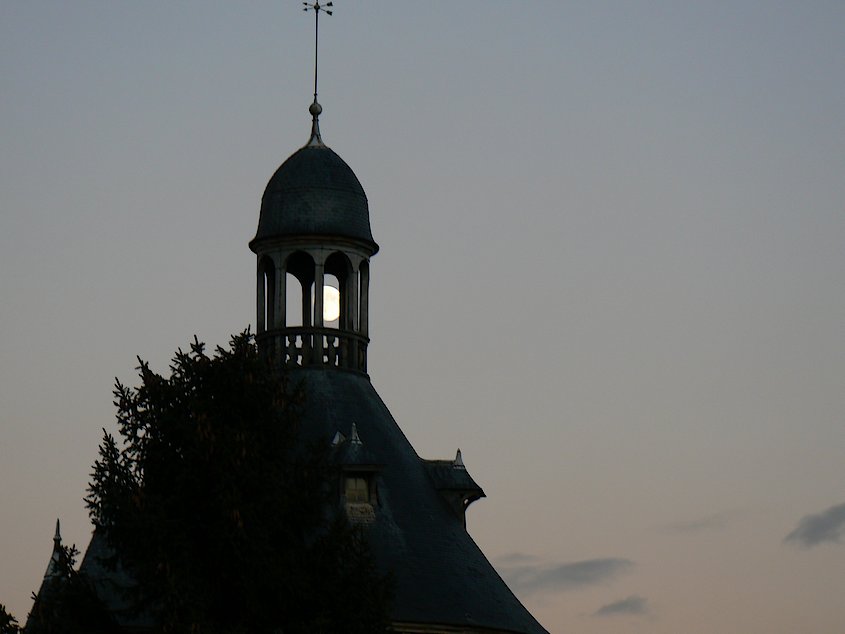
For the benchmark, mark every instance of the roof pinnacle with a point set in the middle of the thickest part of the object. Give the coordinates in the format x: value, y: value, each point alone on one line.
x: 54, y: 565
x: 315, y: 109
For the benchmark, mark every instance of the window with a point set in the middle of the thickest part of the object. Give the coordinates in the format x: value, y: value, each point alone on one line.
x: 357, y: 490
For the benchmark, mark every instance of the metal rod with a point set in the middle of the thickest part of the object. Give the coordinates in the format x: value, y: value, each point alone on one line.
x: 316, y: 7
x: 316, y: 43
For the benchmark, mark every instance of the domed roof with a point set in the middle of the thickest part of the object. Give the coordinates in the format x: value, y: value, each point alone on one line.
x: 315, y: 193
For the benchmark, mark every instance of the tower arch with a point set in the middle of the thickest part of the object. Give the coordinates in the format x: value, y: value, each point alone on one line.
x: 299, y: 268
x: 266, y: 294
x: 339, y: 266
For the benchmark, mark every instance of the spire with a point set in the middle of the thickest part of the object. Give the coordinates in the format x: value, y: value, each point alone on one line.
x: 315, y: 108
x: 53, y: 569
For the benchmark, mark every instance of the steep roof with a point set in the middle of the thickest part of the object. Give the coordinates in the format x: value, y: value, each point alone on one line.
x: 111, y: 581
x: 441, y: 575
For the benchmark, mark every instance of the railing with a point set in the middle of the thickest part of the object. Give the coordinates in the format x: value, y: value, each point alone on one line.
x: 305, y: 346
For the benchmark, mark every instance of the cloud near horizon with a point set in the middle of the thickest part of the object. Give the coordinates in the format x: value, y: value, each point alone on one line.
x: 526, y: 575
x: 814, y: 529
x: 714, y: 521
x: 634, y: 604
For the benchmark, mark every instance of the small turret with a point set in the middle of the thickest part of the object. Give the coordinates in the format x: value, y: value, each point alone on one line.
x: 54, y: 567
x: 453, y: 482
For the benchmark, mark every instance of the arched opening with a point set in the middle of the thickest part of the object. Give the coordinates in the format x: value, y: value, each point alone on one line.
x: 331, y: 301
x: 293, y: 301
x: 339, y: 275
x: 266, y: 294
x: 299, y: 269
x: 315, y: 309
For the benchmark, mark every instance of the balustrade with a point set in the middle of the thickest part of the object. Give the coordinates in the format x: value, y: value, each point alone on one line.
x: 306, y: 346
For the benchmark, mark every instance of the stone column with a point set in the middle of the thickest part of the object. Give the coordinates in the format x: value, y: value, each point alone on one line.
x: 306, y: 301
x: 259, y: 297
x: 352, y: 318
x: 364, y: 328
x: 281, y: 295
x: 318, y: 309
x: 352, y: 300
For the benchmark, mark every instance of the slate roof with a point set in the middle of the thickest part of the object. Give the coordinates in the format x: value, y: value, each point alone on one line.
x: 441, y: 575
x: 110, y: 584
x: 351, y: 454
x: 315, y: 193
x: 449, y: 476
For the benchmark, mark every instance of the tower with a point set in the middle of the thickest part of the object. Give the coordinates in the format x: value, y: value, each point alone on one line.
x: 314, y: 227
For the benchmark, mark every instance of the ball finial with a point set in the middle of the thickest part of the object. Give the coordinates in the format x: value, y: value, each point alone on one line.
x: 315, y: 109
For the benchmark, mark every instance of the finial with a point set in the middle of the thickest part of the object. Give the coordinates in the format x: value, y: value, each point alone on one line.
x: 58, y: 536
x: 315, y: 109
x: 458, y: 463
x: 316, y: 140
x: 353, y: 436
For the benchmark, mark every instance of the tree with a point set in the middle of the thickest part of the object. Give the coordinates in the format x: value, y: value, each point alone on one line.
x: 221, y: 513
x: 8, y: 623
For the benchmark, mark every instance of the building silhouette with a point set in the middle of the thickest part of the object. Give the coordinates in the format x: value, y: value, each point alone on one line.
x: 313, y: 249
x: 314, y: 229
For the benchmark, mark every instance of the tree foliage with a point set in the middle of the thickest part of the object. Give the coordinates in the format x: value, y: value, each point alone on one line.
x: 220, y: 512
x: 8, y: 623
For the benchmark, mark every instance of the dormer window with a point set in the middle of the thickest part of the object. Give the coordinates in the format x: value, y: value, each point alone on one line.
x: 451, y: 479
x: 358, y: 478
x: 357, y: 489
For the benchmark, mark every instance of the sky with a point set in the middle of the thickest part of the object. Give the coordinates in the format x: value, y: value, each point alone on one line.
x: 611, y: 270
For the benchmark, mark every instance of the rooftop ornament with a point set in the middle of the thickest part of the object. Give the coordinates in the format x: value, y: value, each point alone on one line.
x: 315, y: 108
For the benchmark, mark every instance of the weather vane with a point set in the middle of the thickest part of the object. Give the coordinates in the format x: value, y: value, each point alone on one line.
x: 316, y: 7
x: 316, y: 108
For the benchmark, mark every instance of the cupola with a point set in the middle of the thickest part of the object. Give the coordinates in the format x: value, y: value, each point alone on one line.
x: 314, y: 245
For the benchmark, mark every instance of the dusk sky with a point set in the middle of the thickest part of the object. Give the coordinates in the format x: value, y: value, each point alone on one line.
x: 612, y: 270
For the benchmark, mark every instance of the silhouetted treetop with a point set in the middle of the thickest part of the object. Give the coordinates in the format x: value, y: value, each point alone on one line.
x: 218, y: 510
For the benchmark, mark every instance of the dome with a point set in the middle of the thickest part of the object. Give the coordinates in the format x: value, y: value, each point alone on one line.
x: 315, y: 193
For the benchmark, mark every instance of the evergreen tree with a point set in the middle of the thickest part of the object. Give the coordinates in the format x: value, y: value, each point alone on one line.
x: 8, y: 623
x: 221, y: 513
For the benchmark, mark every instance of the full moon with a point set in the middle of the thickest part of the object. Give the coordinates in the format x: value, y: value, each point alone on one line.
x: 331, y: 304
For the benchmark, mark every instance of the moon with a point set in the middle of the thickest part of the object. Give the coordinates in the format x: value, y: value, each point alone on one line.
x: 331, y: 304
